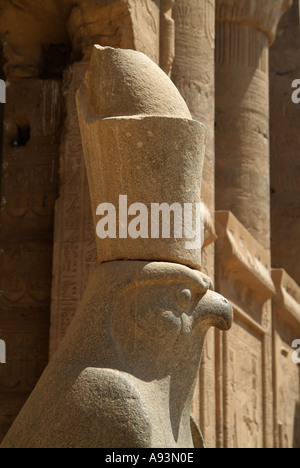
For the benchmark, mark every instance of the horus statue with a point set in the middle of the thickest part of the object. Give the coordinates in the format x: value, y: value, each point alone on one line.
x: 125, y: 373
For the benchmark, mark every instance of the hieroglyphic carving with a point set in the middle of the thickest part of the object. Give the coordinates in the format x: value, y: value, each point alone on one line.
x: 197, y: 18
x: 286, y: 388
x: 145, y: 21
x: 28, y: 193
x: 206, y: 394
x: 242, y: 261
x: 209, y: 22
x: 74, y: 241
x: 286, y: 385
x: 244, y: 380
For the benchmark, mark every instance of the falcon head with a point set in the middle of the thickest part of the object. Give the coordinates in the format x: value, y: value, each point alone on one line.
x: 161, y: 317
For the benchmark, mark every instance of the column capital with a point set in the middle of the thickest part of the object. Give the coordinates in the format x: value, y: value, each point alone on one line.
x: 263, y: 15
x: 124, y: 24
x: 97, y: 22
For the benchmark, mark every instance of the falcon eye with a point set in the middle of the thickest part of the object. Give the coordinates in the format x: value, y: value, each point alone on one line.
x: 184, y: 297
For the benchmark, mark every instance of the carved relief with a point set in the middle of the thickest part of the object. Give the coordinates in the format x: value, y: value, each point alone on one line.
x: 89, y: 24
x: 145, y: 22
x: 286, y: 385
x: 167, y: 36
x: 245, y: 382
x: 74, y: 243
x: 196, y: 18
x: 252, y: 14
x: 209, y: 21
x: 253, y: 54
x: 236, y: 246
x: 286, y: 389
x: 124, y: 24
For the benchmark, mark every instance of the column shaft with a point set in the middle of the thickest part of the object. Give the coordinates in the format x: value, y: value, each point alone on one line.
x: 242, y: 115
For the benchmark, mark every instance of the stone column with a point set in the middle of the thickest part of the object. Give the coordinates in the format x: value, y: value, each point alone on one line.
x: 244, y: 33
x: 193, y: 73
x: 245, y: 30
x: 284, y: 123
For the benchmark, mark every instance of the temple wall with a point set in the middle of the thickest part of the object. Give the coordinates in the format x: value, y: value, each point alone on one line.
x: 220, y: 56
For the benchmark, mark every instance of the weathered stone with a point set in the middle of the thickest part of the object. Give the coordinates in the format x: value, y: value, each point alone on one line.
x: 74, y: 249
x: 125, y: 373
x: 127, y: 369
x: 110, y: 23
x: 160, y: 146
x: 286, y: 384
x: 285, y: 161
x: 116, y: 23
x: 127, y: 83
x: 247, y: 391
x: 246, y: 367
x: 28, y: 191
x: 167, y: 36
x: 244, y: 32
x: 27, y: 29
x: 193, y: 73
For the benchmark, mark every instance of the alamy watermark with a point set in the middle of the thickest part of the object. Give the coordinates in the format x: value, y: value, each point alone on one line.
x: 156, y: 223
x: 2, y: 92
x: 2, y: 352
x: 296, y: 354
x: 296, y: 93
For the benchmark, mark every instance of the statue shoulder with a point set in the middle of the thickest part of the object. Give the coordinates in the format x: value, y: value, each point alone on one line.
x: 115, y: 408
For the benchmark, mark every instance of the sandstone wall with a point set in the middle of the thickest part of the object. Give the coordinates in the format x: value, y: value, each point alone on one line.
x: 248, y: 389
x: 285, y: 161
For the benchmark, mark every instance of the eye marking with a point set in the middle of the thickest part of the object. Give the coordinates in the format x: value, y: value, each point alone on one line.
x: 184, y: 296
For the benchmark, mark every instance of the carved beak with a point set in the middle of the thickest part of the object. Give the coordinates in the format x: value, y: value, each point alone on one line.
x: 215, y: 310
